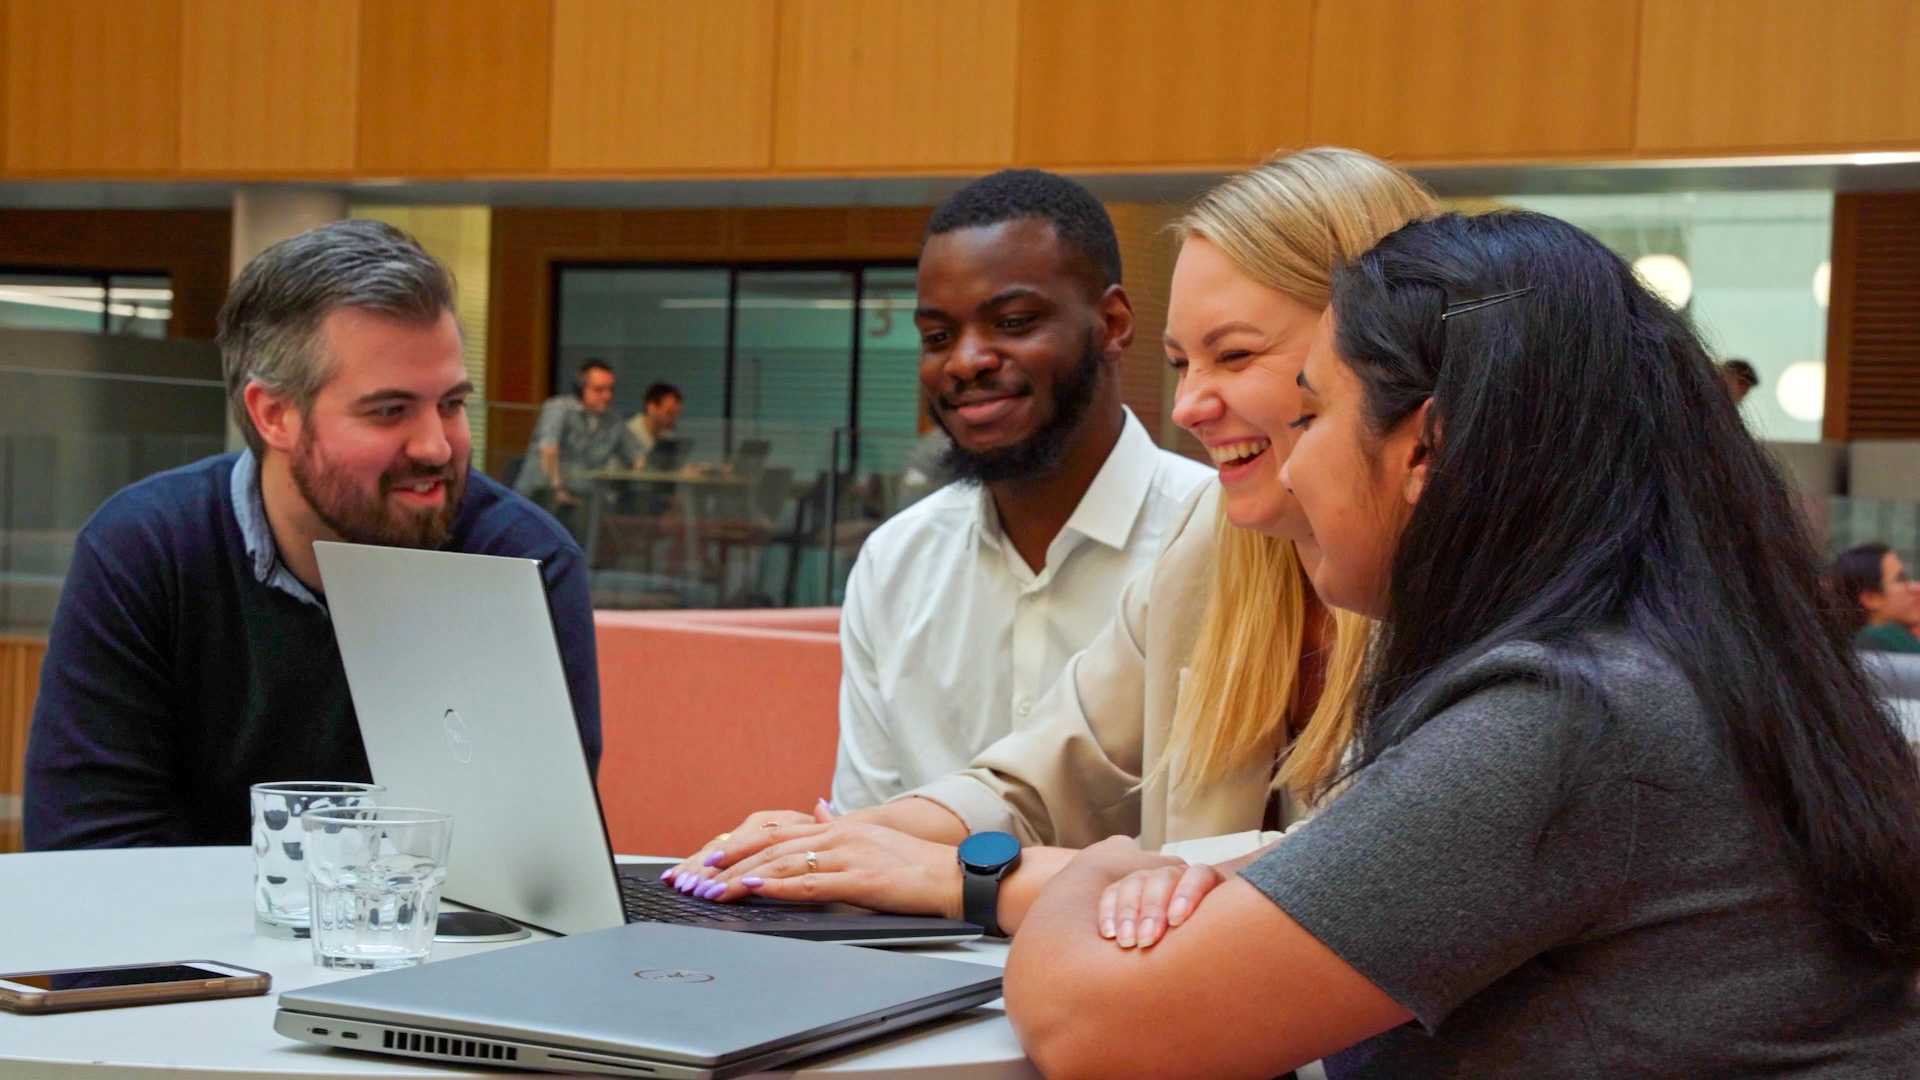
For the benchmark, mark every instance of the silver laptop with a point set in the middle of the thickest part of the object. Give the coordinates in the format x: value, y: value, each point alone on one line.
x: 642, y: 1000
x: 463, y: 707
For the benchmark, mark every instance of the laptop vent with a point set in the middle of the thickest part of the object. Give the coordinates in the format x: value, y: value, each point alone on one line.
x: 413, y: 1042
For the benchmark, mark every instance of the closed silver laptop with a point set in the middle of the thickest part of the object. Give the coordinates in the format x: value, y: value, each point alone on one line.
x: 463, y: 707
x: 641, y: 1000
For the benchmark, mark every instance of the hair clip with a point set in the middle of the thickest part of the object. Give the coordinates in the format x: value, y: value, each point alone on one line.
x: 1464, y: 306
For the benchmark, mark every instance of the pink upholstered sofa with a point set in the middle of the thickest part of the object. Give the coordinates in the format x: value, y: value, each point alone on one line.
x: 707, y: 716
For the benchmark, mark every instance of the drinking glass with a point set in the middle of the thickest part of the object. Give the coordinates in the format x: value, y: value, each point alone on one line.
x: 279, y: 874
x: 374, y: 876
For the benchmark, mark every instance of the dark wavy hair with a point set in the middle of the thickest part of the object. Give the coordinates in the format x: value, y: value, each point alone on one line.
x: 1078, y: 219
x: 1587, y: 470
x: 1855, y: 571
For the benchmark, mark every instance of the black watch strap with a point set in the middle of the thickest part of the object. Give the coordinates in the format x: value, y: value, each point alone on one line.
x: 980, y: 900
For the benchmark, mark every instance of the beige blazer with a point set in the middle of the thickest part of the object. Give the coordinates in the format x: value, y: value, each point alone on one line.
x: 1070, y: 773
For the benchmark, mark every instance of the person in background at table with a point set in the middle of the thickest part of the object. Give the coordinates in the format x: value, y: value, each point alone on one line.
x: 577, y: 434
x: 1218, y: 700
x: 659, y: 412
x: 191, y: 654
x: 1581, y: 835
x: 1739, y: 378
x: 1883, y: 602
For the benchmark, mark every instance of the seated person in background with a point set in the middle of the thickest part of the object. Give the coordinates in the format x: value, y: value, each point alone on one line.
x: 1883, y: 602
x: 659, y: 412
x: 577, y: 434
x: 963, y: 608
x: 1218, y: 699
x: 191, y: 654
x: 1739, y: 378
x: 1578, y: 837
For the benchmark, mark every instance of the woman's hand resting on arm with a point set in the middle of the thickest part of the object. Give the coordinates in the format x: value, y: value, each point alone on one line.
x: 1140, y: 908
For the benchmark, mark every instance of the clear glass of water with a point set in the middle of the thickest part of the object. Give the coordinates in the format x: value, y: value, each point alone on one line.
x: 279, y: 867
x: 374, y: 875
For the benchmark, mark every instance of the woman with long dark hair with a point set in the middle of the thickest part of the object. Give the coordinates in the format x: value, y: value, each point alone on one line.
x: 1880, y: 601
x: 1622, y: 801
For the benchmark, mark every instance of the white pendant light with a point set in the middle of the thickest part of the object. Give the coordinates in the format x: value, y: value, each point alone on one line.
x: 1667, y: 276
x: 1802, y: 390
x: 1823, y: 283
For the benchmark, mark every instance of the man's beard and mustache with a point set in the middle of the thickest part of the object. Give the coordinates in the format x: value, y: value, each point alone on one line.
x: 357, y: 518
x: 1040, y: 452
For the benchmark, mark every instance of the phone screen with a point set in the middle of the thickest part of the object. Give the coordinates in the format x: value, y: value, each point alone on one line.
x: 105, y: 977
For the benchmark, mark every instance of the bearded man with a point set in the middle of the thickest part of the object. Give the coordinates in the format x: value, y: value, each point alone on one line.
x: 964, y: 607
x: 192, y: 654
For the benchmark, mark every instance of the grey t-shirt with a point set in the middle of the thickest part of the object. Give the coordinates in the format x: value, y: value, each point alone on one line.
x: 1565, y: 890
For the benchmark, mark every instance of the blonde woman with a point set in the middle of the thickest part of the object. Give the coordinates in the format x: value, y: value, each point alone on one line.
x: 1218, y: 701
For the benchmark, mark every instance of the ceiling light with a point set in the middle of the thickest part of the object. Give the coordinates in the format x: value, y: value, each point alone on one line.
x: 1801, y: 390
x: 1667, y: 276
x: 1823, y: 283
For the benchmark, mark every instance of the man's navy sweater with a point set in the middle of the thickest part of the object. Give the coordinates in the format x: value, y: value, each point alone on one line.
x: 174, y: 678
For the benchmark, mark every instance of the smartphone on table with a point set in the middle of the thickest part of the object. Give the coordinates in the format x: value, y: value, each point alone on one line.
x: 127, y: 984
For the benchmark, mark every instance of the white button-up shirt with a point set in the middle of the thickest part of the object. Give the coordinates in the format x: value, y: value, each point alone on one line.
x: 947, y: 637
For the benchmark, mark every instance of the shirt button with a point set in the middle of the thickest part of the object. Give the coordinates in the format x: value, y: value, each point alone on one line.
x: 1024, y: 708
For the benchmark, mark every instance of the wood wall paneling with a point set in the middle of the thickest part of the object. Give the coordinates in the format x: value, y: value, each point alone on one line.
x: 1756, y: 76
x: 880, y: 85
x: 92, y: 89
x: 454, y: 87
x: 193, y: 247
x: 5, y: 26
x: 269, y: 86
x: 1168, y: 82
x: 1873, y: 318
x: 20, y: 659
x: 1475, y: 79
x: 662, y: 85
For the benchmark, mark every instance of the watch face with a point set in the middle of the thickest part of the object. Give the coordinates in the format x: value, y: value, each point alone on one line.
x: 988, y: 851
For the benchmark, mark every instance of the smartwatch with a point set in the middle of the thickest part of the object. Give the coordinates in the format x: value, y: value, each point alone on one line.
x: 985, y: 858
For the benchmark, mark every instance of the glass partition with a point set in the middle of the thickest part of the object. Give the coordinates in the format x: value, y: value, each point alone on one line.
x: 774, y: 522
x: 82, y: 416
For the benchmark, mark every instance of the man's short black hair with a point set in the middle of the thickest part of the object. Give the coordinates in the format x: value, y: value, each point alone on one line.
x: 1012, y: 194
x: 1743, y: 372
x: 593, y: 363
x: 662, y: 390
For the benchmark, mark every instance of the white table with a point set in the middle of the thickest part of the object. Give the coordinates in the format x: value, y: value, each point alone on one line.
x: 74, y: 909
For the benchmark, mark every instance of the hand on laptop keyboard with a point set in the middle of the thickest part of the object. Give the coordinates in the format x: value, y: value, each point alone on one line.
x: 848, y: 861
x: 742, y: 840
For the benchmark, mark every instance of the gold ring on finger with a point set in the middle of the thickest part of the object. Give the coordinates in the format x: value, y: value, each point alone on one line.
x: 813, y: 863
x: 723, y: 837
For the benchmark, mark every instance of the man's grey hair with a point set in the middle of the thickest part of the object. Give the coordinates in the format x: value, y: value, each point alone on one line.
x: 269, y: 327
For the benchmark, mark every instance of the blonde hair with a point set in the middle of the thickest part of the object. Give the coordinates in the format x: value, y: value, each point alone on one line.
x: 1287, y: 223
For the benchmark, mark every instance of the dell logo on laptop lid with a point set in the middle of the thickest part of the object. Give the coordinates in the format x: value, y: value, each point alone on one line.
x: 673, y: 975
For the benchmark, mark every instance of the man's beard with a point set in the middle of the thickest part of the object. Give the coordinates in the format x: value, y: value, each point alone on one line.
x: 358, y: 519
x: 1040, y: 452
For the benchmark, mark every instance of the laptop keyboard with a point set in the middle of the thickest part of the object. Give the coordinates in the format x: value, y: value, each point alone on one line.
x: 649, y: 900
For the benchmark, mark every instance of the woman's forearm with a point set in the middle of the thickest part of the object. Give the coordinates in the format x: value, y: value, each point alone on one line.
x: 923, y: 818
x: 1018, y: 890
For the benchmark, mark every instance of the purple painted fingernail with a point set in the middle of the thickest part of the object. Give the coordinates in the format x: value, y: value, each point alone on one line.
x: 753, y: 882
x: 667, y: 874
x: 713, y: 858
x: 692, y: 882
